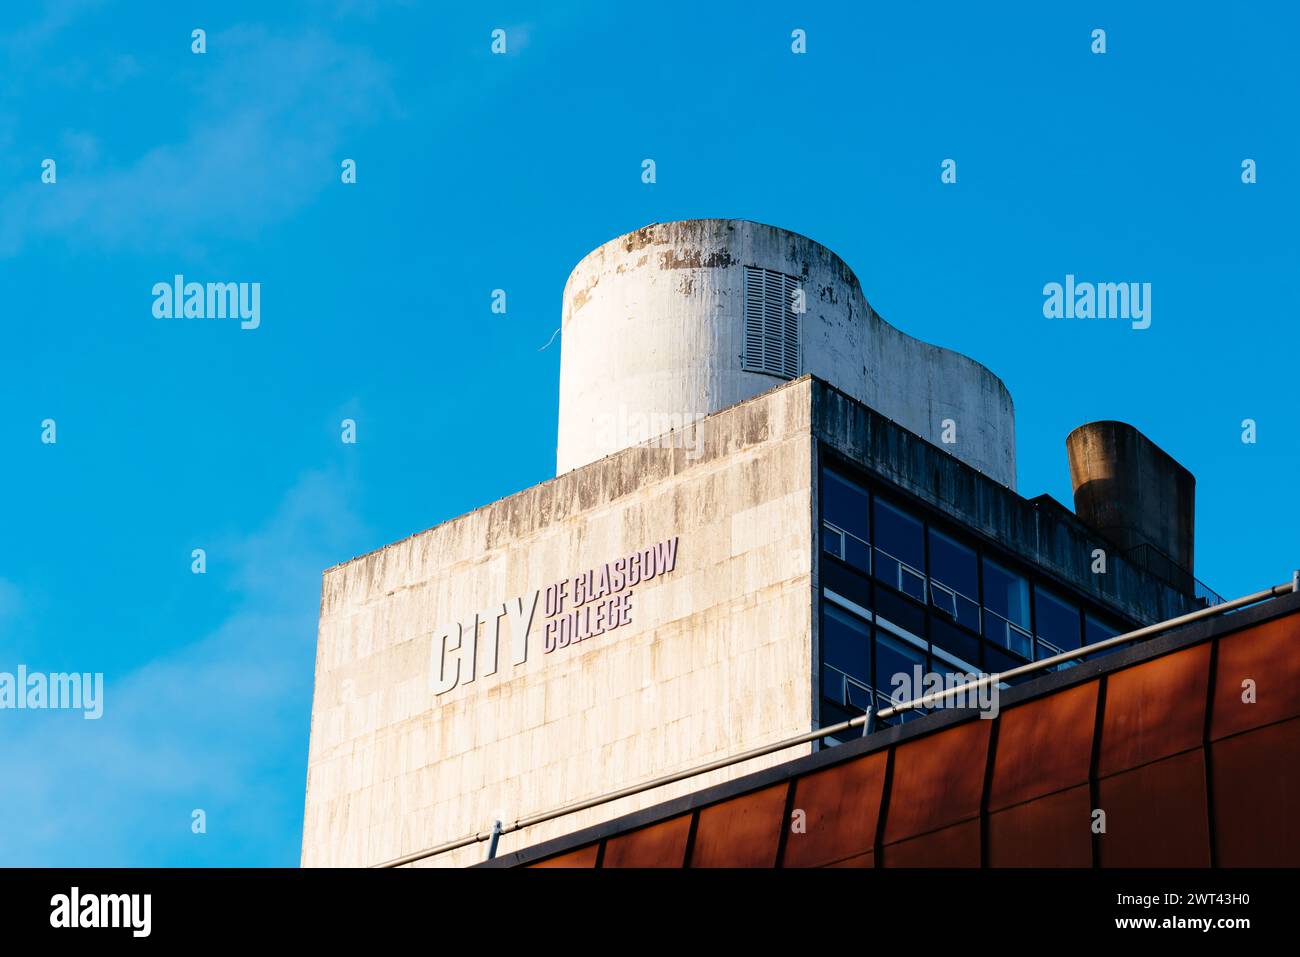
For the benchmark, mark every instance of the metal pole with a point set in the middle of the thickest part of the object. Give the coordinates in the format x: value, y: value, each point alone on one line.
x: 496, y: 839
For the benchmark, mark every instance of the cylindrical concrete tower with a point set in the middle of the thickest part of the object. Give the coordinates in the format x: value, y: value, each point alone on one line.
x: 679, y: 320
x: 1137, y: 496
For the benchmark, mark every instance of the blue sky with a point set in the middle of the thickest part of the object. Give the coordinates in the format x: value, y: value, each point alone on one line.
x: 478, y: 171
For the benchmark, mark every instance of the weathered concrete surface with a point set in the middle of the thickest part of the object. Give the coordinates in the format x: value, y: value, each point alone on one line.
x: 717, y: 657
x: 653, y: 334
x: 1134, y: 493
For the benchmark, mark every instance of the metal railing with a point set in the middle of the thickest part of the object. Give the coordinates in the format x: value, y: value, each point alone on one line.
x: 845, y: 537
x: 1025, y: 651
x: 917, y: 576
x: 1156, y: 562
x: 864, y: 721
x: 846, y: 681
x: 1206, y: 595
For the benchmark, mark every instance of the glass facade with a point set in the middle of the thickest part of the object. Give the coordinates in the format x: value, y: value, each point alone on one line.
x: 903, y: 589
x: 1056, y: 624
x: 845, y: 522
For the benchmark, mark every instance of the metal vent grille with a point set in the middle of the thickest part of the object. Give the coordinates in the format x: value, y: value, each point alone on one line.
x: 771, y: 323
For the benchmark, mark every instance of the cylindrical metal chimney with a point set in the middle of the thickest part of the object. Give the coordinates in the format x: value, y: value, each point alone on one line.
x: 1136, y: 496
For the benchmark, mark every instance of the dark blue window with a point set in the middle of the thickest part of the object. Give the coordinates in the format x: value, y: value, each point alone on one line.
x: 956, y: 642
x: 1006, y: 610
x: 845, y: 521
x: 893, y: 609
x: 900, y: 549
x: 954, y: 580
x: 895, y: 659
x: 1095, y: 630
x: 846, y: 655
x: 1057, y: 623
x: 938, y: 601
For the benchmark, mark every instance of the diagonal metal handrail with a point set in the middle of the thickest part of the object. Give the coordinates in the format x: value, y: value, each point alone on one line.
x: 864, y: 721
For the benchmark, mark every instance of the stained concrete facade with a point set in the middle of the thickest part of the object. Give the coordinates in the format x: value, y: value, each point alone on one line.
x: 653, y: 335
x: 716, y: 658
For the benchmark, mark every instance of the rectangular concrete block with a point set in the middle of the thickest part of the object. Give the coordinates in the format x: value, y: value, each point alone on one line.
x: 716, y: 657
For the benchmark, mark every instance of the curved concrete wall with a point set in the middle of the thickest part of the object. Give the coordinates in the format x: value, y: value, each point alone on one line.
x: 653, y: 338
x: 1134, y: 493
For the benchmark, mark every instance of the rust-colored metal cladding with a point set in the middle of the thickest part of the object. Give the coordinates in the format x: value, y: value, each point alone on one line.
x: 582, y: 857
x: 862, y: 860
x: 742, y: 832
x: 1256, y: 796
x: 1043, y: 746
x: 660, y: 845
x: 1154, y: 710
x: 1020, y: 790
x: 841, y: 806
x: 1050, y: 831
x: 1156, y: 815
x: 957, y: 846
x: 938, y: 780
x: 1256, y: 677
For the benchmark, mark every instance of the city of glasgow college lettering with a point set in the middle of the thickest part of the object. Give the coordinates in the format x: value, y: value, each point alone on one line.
x: 591, y: 603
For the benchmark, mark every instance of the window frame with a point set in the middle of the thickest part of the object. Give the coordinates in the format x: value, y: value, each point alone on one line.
x: 1006, y: 641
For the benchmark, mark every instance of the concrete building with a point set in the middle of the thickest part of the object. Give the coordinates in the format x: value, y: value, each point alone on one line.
x: 832, y: 506
x: 679, y: 320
